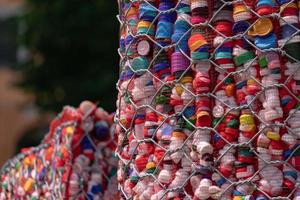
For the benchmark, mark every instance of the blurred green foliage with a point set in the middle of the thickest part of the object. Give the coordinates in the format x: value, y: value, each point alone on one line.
x: 73, y: 47
x: 8, y: 43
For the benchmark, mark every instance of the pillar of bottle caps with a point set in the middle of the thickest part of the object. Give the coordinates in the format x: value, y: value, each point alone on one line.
x: 74, y: 161
x: 213, y: 110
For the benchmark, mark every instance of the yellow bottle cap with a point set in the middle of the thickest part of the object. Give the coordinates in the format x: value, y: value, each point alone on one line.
x: 229, y: 90
x: 131, y: 11
x: 251, y: 82
x: 179, y: 135
x: 202, y: 113
x: 186, y: 79
x: 28, y: 184
x: 26, y: 161
x: 273, y: 135
x: 123, y: 122
x: 178, y: 89
x: 262, y: 27
x: 246, y: 119
x: 144, y: 24
x: 239, y: 9
x: 70, y: 130
x: 150, y: 165
x: 197, y: 44
x: 237, y: 198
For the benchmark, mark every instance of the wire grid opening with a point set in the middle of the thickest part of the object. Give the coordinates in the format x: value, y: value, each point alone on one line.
x: 208, y: 104
x: 74, y: 161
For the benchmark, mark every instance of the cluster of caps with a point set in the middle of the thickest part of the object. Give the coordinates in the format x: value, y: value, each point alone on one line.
x: 208, y: 104
x: 74, y: 161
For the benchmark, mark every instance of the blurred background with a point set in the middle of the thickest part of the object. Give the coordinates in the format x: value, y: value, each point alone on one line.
x: 53, y: 53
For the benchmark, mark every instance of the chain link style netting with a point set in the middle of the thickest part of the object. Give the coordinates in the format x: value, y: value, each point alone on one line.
x: 74, y: 161
x: 208, y: 104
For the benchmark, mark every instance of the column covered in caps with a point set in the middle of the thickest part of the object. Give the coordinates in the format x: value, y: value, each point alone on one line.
x: 75, y: 160
x: 208, y: 104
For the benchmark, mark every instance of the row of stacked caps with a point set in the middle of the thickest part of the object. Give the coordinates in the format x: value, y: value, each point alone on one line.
x: 267, y: 41
x: 74, y: 161
x: 208, y: 99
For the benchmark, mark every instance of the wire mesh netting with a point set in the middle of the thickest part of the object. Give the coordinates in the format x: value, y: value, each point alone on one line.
x: 74, y: 161
x: 208, y: 104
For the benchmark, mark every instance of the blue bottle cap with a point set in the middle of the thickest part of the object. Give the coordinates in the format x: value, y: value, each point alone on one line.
x: 290, y: 173
x: 217, y: 137
x: 167, y: 130
x: 261, y: 198
x: 220, y: 55
x: 224, y: 49
x: 265, y: 3
x: 241, y: 84
x: 164, y: 30
x: 237, y: 193
x: 288, y: 30
x: 129, y: 74
x: 139, y: 63
x: 189, y: 111
x: 240, y: 27
x: 160, y: 66
x: 101, y: 130
x: 203, y: 48
x: 281, y: 2
x: 266, y: 42
x: 86, y: 144
x: 128, y: 39
x: 140, y: 116
x: 42, y: 174
x: 90, y: 196
x: 221, y: 181
x: 200, y: 55
x: 183, y: 8
x: 285, y: 100
x: 96, y: 189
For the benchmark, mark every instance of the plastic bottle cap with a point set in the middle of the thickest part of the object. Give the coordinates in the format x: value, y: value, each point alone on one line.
x: 143, y: 47
x: 262, y: 27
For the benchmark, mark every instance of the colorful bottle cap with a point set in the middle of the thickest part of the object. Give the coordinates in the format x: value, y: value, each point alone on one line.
x: 265, y: 3
x: 240, y: 27
x: 266, y: 42
x: 262, y: 27
x: 143, y: 47
x: 140, y: 63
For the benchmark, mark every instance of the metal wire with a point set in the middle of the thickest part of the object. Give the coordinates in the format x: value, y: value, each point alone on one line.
x: 278, y: 156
